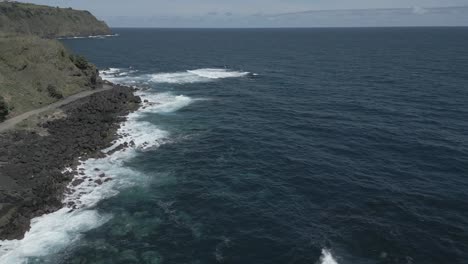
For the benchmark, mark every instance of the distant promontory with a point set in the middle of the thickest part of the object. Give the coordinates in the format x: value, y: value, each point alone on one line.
x: 35, y: 69
x: 48, y: 22
x: 54, y: 110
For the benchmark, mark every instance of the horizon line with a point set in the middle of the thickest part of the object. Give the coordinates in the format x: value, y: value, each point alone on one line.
x: 286, y: 27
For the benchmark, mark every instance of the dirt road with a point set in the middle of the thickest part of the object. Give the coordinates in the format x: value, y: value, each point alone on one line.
x: 12, y: 122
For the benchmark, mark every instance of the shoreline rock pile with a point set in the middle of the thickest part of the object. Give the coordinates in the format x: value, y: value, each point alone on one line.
x: 31, y: 165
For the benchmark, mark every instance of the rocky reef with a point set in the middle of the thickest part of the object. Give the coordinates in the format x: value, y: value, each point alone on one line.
x: 31, y: 164
x: 35, y: 71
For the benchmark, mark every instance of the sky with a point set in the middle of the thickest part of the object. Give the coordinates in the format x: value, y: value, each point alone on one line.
x: 262, y: 13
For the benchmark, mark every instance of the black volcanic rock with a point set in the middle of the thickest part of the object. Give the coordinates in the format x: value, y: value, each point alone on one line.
x: 31, y: 181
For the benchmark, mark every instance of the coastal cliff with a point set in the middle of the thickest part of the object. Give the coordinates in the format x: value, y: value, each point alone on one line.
x: 36, y: 71
x: 31, y: 163
x: 48, y: 22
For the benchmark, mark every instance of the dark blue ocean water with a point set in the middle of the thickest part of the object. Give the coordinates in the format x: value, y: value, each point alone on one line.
x: 350, y: 140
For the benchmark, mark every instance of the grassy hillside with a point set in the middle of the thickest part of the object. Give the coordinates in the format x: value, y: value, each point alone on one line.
x: 48, y: 22
x: 35, y: 72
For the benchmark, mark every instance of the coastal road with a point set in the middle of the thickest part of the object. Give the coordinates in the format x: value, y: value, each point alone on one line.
x: 12, y: 122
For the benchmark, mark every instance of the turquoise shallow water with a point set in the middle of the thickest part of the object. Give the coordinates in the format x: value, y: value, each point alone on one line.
x: 283, y: 146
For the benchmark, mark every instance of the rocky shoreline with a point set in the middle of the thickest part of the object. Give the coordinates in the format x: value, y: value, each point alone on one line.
x: 32, y: 181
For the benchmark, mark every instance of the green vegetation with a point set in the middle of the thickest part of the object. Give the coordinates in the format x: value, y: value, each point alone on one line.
x: 79, y: 61
x: 35, y: 72
x: 48, y: 22
x: 4, y: 109
x: 53, y: 92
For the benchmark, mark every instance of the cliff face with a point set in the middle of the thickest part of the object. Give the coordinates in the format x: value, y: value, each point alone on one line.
x: 48, y: 22
x: 36, y: 71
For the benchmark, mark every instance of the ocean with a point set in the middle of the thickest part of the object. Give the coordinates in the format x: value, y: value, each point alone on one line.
x: 270, y: 146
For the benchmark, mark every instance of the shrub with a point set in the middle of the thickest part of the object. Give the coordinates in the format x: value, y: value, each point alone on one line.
x: 79, y: 61
x: 4, y: 110
x: 52, y: 90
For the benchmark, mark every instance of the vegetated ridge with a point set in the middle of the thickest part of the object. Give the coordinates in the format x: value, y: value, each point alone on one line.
x: 35, y: 70
x: 48, y: 22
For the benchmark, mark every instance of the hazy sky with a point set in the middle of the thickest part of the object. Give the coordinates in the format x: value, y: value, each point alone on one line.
x: 232, y: 13
x: 198, y: 7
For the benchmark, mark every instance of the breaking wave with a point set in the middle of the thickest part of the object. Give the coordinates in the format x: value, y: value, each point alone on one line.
x: 121, y: 75
x: 327, y: 257
x: 193, y: 76
x: 102, y: 178
x: 96, y: 180
x: 91, y: 37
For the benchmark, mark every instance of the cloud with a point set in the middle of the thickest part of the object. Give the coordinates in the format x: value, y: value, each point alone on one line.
x: 419, y: 10
x: 273, y: 13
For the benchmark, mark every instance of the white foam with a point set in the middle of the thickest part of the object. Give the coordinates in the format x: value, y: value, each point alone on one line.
x: 91, y: 37
x: 177, y: 77
x: 103, y: 178
x: 165, y: 102
x: 111, y: 71
x: 67, y: 169
x: 127, y: 76
x: 50, y: 234
x: 98, y: 179
x: 218, y: 73
x: 121, y: 75
x: 194, y: 76
x: 327, y: 257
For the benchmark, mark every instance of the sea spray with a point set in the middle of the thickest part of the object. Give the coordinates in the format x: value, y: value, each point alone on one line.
x: 96, y: 180
x: 327, y: 257
x: 127, y: 76
x: 194, y: 76
x: 337, y: 141
x: 103, y: 178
